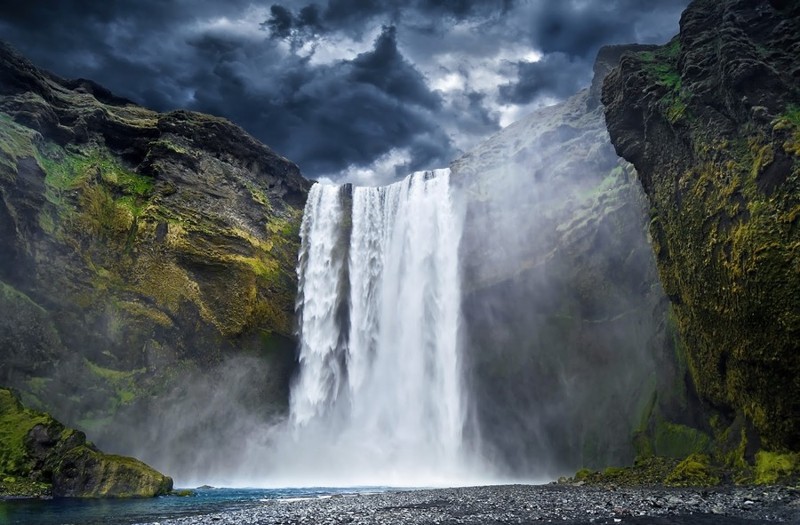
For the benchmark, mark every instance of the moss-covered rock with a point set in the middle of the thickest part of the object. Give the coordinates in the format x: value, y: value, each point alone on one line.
x: 710, y: 123
x: 39, y: 457
x: 136, y: 247
x: 650, y: 471
x: 774, y: 467
x: 84, y: 472
x: 694, y: 471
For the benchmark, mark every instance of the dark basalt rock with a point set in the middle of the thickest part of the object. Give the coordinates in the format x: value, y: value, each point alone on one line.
x: 607, y: 59
x: 711, y: 121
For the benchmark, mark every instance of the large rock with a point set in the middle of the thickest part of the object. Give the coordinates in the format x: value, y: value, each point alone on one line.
x: 39, y: 456
x: 137, y: 248
x: 711, y: 121
x: 568, y: 343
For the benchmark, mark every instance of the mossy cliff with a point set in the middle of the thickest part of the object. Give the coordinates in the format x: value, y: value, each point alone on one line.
x: 136, y: 247
x: 41, y: 457
x: 568, y: 342
x: 711, y: 122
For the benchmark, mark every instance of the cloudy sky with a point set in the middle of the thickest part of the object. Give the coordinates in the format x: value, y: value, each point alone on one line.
x: 356, y: 90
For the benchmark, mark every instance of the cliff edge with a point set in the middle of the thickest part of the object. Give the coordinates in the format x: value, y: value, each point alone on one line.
x: 41, y: 457
x: 136, y: 248
x: 711, y: 121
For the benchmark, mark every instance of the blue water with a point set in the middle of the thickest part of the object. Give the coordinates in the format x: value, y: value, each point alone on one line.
x: 127, y: 512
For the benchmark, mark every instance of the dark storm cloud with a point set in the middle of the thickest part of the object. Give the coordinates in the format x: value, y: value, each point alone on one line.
x: 319, y: 81
x: 580, y: 28
x: 324, y: 117
x: 570, y: 33
x: 351, y: 15
x: 331, y: 116
x: 555, y: 75
x: 387, y: 70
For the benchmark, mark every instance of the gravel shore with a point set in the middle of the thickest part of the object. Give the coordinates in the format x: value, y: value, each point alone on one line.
x: 528, y: 504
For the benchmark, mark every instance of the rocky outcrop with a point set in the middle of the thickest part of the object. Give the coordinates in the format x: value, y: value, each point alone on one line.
x: 135, y: 248
x: 568, y: 342
x: 39, y: 456
x: 711, y: 121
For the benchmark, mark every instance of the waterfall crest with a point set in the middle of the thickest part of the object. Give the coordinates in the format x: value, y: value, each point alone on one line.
x: 379, y: 396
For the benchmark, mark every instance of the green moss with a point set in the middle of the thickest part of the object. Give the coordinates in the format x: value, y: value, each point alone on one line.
x: 47, y: 222
x: 257, y: 193
x: 289, y: 228
x: 19, y: 487
x: 87, y: 473
x: 16, y: 142
x: 679, y: 352
x: 74, y: 466
x: 721, y: 254
x: 679, y: 441
x: 91, y: 166
x: 102, y: 216
x: 38, y: 383
x: 661, y: 65
x: 790, y: 121
x: 122, y: 382
x: 109, y: 374
x: 792, y: 115
x: 15, y: 423
x: 730, y: 447
x: 672, y: 50
x: 94, y: 424
x: 170, y: 146
x: 775, y: 467
x: 137, y: 310
x: 613, y: 471
x: 583, y: 474
x: 675, y: 108
x: 645, y: 472
x: 694, y: 471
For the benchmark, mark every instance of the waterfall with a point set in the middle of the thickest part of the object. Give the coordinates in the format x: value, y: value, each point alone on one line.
x: 378, y: 396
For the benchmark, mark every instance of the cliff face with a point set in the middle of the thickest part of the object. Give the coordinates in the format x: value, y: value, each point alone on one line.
x: 568, y: 341
x: 39, y: 456
x: 711, y: 121
x: 136, y: 248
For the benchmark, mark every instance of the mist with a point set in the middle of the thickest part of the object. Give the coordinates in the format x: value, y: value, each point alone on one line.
x: 542, y: 362
x: 560, y: 332
x: 564, y: 319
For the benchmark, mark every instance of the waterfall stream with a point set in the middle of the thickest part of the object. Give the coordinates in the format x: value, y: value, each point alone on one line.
x: 378, y: 398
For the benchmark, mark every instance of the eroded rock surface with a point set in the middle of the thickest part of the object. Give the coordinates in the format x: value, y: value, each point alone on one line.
x: 40, y: 457
x: 711, y: 121
x: 137, y: 248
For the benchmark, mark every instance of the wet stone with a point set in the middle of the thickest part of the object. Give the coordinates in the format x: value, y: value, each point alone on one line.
x: 523, y: 504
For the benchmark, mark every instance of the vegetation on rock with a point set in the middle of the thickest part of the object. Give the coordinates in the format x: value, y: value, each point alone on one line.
x: 710, y: 122
x: 644, y: 472
x: 137, y: 247
x: 39, y: 457
x: 694, y: 471
x: 774, y: 467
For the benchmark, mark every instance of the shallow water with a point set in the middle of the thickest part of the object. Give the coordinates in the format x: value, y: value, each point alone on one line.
x: 127, y: 512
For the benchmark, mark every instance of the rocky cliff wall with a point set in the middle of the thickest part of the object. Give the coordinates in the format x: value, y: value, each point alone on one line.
x: 138, y: 250
x: 41, y: 457
x: 568, y: 341
x: 711, y: 121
